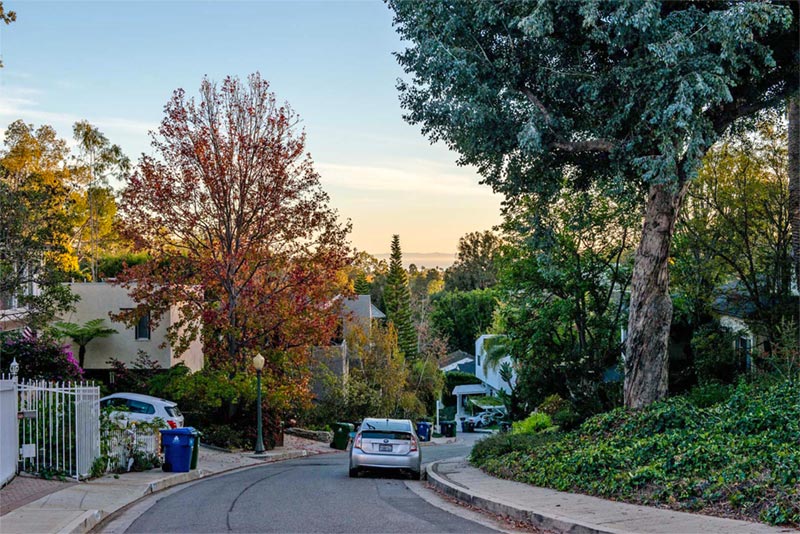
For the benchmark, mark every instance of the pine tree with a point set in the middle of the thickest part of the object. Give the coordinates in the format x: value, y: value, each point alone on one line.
x: 397, y: 299
x: 361, y: 285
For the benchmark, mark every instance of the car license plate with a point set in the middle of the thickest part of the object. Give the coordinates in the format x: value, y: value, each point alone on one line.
x: 384, y: 448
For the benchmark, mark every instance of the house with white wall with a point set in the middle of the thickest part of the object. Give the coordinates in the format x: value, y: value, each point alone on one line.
x: 97, y: 301
x: 490, y: 375
x: 491, y: 382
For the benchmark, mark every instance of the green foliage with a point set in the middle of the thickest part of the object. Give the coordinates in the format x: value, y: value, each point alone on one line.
x: 453, y: 379
x: 40, y: 357
x: 463, y: 316
x: 566, y: 269
x: 82, y: 334
x: 142, y: 377
x: 710, y: 394
x: 715, y: 356
x: 476, y: 263
x: 112, y: 266
x: 738, y: 456
x: 535, y: 422
x: 397, y: 300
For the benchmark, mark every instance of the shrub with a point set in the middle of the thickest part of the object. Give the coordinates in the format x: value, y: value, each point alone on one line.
x: 552, y: 404
x: 710, y: 394
x: 715, y: 356
x: 40, y: 357
x: 535, y: 422
x: 499, y: 445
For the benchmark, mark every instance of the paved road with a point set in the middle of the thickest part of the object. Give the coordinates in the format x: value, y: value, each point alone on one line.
x: 308, y: 495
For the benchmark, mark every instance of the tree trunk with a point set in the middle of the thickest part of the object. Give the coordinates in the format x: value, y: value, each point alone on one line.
x: 793, y: 116
x: 646, y: 361
x: 81, y: 355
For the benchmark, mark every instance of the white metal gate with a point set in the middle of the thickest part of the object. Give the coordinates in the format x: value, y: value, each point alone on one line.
x: 59, y: 428
x: 8, y: 429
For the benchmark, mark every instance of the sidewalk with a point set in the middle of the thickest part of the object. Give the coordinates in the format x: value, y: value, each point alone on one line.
x: 570, y: 512
x: 79, y: 507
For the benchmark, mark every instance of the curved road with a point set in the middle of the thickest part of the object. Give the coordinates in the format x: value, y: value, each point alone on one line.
x: 312, y: 494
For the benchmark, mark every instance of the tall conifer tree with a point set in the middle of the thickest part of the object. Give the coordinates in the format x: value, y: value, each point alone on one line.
x: 397, y: 298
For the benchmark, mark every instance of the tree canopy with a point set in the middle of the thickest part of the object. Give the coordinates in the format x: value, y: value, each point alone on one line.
x: 239, y: 232
x: 627, y: 96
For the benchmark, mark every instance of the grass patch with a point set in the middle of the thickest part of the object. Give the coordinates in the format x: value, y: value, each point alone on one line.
x: 737, y: 458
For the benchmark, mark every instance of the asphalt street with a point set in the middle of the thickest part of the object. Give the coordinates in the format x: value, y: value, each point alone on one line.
x: 308, y: 495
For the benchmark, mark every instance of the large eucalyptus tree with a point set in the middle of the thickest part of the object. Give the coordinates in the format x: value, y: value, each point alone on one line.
x: 622, y: 95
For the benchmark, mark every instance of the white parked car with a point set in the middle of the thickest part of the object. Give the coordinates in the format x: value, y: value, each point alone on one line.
x: 138, y: 407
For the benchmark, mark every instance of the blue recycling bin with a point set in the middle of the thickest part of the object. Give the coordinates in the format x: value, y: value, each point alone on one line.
x: 424, y: 431
x: 178, y: 444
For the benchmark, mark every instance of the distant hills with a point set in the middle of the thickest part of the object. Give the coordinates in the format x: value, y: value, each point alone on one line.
x: 424, y: 259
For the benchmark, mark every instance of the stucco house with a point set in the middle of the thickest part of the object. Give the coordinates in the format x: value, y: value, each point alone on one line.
x: 98, y: 300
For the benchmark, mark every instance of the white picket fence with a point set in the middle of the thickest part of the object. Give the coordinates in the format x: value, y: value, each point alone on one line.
x: 121, y: 442
x: 9, y: 446
x: 60, y: 426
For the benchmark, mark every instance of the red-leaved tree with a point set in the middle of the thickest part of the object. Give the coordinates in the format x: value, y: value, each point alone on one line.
x: 242, y: 240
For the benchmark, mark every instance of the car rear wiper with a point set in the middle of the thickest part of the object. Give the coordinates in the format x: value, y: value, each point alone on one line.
x: 370, y: 426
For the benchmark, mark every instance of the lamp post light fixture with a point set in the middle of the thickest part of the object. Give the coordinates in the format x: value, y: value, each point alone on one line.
x: 258, y: 363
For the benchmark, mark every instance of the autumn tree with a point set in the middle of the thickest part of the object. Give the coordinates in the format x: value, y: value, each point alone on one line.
x: 476, y: 263
x: 397, y: 300
x: 626, y: 97
x: 35, y: 226
x: 240, y: 235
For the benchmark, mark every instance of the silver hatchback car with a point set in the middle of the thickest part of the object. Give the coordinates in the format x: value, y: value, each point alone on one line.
x: 386, y: 444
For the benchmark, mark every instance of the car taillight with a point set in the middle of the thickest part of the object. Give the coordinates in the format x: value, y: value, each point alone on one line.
x: 413, y: 444
x: 357, y: 442
x: 172, y: 424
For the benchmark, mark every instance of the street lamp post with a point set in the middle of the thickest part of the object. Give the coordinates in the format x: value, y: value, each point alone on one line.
x: 258, y: 363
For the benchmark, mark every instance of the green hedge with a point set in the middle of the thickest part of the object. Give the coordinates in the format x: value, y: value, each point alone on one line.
x: 737, y: 458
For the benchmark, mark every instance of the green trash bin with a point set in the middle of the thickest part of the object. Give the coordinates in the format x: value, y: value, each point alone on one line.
x: 448, y: 429
x: 341, y: 435
x: 196, y: 449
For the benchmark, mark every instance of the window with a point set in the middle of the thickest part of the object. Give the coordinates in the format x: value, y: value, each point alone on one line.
x: 140, y: 407
x: 143, y: 327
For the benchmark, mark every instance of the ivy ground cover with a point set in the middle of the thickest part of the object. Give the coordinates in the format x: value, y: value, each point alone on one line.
x: 738, y: 458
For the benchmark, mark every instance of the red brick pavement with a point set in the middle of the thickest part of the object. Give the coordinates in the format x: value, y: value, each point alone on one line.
x: 25, y: 489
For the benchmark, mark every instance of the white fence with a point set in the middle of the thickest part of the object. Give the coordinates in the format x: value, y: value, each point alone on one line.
x: 60, y: 427
x: 123, y: 441
x: 8, y: 429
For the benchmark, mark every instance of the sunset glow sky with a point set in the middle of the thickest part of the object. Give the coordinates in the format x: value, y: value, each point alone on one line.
x: 117, y: 63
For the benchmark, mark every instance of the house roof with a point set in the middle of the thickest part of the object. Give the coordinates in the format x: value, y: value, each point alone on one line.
x: 454, y: 357
x: 376, y: 313
x: 361, y: 306
x: 734, y: 300
x: 470, y: 389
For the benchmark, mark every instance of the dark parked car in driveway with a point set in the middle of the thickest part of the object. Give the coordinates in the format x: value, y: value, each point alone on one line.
x: 386, y: 444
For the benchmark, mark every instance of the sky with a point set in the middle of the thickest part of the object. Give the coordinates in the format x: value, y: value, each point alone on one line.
x: 116, y: 64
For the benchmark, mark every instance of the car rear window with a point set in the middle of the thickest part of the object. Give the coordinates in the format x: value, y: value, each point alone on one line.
x: 377, y: 434
x: 141, y: 407
x: 378, y: 424
x: 173, y: 411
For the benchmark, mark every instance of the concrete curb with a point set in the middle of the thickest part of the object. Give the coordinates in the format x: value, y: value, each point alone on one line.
x: 545, y: 521
x: 93, y: 519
